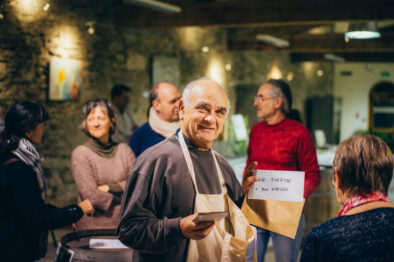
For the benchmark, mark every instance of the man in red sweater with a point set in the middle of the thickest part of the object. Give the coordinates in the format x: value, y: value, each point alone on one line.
x: 281, y: 143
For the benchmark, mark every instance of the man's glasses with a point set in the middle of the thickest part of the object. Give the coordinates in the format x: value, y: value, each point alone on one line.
x: 261, y: 99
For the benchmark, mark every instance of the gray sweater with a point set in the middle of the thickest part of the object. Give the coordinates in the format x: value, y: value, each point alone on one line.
x: 159, y: 192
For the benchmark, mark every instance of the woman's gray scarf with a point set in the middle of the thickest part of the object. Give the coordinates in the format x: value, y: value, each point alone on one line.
x: 28, y: 153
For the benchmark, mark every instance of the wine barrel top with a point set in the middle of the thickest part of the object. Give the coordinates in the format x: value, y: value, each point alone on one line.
x: 78, y: 246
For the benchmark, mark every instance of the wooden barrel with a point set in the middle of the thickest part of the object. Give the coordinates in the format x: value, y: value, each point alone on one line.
x: 322, y: 205
x: 92, y: 245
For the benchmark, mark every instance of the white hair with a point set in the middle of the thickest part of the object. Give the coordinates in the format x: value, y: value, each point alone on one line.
x: 193, y: 84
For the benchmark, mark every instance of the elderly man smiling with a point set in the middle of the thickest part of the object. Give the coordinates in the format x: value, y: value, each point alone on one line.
x: 172, y: 180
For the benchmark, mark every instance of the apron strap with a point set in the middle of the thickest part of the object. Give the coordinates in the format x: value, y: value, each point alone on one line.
x: 188, y: 159
x: 220, y: 175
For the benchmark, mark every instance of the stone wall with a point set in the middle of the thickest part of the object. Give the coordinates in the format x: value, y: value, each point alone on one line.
x: 30, y: 38
x: 251, y: 69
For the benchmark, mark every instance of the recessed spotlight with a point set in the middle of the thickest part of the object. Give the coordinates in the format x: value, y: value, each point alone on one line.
x: 90, y: 26
x: 320, y: 73
x: 228, y: 67
x: 205, y: 49
x: 46, y: 7
x: 91, y: 30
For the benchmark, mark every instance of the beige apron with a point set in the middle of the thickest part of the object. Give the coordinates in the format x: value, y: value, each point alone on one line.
x: 230, y: 236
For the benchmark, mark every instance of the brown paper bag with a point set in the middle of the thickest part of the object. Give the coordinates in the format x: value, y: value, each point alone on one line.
x: 281, y: 217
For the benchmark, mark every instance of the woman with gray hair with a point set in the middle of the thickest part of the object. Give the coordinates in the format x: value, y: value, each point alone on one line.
x: 364, y: 229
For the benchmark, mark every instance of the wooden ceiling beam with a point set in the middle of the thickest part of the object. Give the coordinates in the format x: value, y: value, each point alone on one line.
x: 257, y: 12
x: 332, y: 43
x: 278, y: 31
x: 349, y: 57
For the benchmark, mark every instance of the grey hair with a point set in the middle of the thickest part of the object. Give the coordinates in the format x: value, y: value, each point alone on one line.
x: 193, y: 84
x: 277, y: 91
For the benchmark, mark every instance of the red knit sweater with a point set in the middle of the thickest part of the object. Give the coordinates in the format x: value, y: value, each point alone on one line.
x: 285, y: 146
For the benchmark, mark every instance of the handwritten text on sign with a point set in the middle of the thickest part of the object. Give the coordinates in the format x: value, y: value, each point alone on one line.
x: 106, y: 244
x: 278, y: 185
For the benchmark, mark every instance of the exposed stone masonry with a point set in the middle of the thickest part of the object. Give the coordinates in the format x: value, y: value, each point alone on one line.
x: 118, y: 55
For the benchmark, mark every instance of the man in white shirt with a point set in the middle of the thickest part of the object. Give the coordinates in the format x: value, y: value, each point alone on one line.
x: 125, y: 123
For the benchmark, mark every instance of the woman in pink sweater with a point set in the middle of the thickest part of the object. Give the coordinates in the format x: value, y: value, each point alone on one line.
x: 100, y: 167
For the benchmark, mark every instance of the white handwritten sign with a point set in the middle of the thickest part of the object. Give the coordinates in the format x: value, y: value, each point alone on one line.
x: 278, y: 185
x: 106, y: 244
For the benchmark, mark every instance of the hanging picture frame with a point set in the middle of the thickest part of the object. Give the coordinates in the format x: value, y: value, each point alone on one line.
x: 64, y: 79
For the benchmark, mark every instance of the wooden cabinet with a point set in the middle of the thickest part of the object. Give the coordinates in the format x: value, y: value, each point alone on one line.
x: 381, y: 108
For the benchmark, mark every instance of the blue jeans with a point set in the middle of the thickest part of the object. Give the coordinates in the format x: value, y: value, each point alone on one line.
x: 285, y: 248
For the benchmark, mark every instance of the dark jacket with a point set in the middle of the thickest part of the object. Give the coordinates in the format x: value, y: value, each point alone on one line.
x: 24, y: 217
x: 143, y: 138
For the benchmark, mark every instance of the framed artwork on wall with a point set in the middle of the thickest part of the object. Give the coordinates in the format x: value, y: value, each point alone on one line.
x: 64, y: 79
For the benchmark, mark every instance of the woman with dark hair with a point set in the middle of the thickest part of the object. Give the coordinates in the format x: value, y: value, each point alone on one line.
x: 100, y: 166
x: 25, y: 218
x: 364, y: 229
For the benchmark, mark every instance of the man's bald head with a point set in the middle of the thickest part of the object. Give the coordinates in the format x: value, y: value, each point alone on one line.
x: 164, y: 98
x: 202, y: 110
x: 193, y: 86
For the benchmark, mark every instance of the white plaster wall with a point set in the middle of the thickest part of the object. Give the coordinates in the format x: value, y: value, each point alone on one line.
x: 354, y: 91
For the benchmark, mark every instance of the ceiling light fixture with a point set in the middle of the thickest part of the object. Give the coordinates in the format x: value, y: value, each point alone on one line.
x: 366, y: 30
x: 46, y: 6
x: 334, y: 58
x: 205, y: 49
x: 269, y: 39
x: 156, y: 5
x: 90, y: 25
